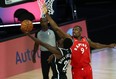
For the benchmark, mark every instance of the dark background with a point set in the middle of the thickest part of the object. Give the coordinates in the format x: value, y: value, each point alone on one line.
x: 101, y: 19
x: 100, y: 16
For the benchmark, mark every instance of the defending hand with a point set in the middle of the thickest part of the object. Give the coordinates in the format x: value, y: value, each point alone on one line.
x: 112, y: 45
x: 44, y: 9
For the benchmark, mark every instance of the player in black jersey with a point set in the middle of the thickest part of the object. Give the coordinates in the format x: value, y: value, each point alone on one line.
x: 62, y: 63
x: 63, y: 47
x: 62, y: 54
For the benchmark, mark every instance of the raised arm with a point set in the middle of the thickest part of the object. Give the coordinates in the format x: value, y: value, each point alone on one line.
x: 58, y: 30
x: 53, y: 24
x: 99, y: 45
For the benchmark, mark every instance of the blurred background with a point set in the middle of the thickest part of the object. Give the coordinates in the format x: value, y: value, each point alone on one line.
x: 97, y: 18
x: 100, y: 17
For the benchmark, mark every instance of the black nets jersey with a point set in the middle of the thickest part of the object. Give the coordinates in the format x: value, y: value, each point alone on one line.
x: 62, y: 63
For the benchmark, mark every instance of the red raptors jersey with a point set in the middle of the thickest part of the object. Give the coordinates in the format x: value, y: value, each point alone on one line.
x: 80, y: 53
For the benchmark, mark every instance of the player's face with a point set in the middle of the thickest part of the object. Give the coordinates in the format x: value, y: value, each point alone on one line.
x: 44, y: 23
x: 76, y: 32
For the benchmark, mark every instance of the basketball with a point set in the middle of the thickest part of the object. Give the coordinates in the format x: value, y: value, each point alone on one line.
x: 26, y: 26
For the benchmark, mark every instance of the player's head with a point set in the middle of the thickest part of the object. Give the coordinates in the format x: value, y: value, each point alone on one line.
x: 77, y: 30
x: 65, y: 43
x: 44, y: 23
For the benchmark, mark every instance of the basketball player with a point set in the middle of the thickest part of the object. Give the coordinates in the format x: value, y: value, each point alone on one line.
x: 80, y: 61
x: 80, y: 57
x: 61, y: 53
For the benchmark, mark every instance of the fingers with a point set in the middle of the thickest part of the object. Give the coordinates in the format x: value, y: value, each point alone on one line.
x: 27, y: 33
x: 33, y: 60
x: 113, y: 45
x: 44, y: 9
x: 48, y: 60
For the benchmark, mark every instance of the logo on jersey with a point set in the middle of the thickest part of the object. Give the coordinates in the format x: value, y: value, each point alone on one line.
x: 68, y: 56
x: 82, y: 47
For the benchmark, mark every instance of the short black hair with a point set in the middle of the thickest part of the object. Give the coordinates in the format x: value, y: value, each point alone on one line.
x: 78, y: 27
x: 67, y: 43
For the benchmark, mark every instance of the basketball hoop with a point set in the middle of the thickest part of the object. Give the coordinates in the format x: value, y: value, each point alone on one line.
x: 49, y: 4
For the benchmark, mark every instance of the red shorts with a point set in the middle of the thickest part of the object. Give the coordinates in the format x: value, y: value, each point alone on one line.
x: 82, y: 73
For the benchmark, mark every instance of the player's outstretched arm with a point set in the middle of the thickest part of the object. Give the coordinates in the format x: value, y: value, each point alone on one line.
x: 52, y: 49
x: 53, y: 24
x: 99, y: 45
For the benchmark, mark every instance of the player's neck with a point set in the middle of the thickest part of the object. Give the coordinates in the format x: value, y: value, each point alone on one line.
x: 79, y: 38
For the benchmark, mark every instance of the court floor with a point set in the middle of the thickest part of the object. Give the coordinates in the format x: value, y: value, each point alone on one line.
x: 103, y: 62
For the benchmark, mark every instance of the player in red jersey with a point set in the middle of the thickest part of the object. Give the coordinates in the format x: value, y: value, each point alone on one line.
x: 80, y: 59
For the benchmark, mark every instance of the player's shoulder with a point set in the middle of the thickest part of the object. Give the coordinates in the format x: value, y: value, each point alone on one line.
x: 64, y: 51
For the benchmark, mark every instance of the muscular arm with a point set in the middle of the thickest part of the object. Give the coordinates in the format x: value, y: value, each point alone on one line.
x: 58, y: 30
x: 53, y: 24
x: 99, y: 45
x: 52, y: 49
